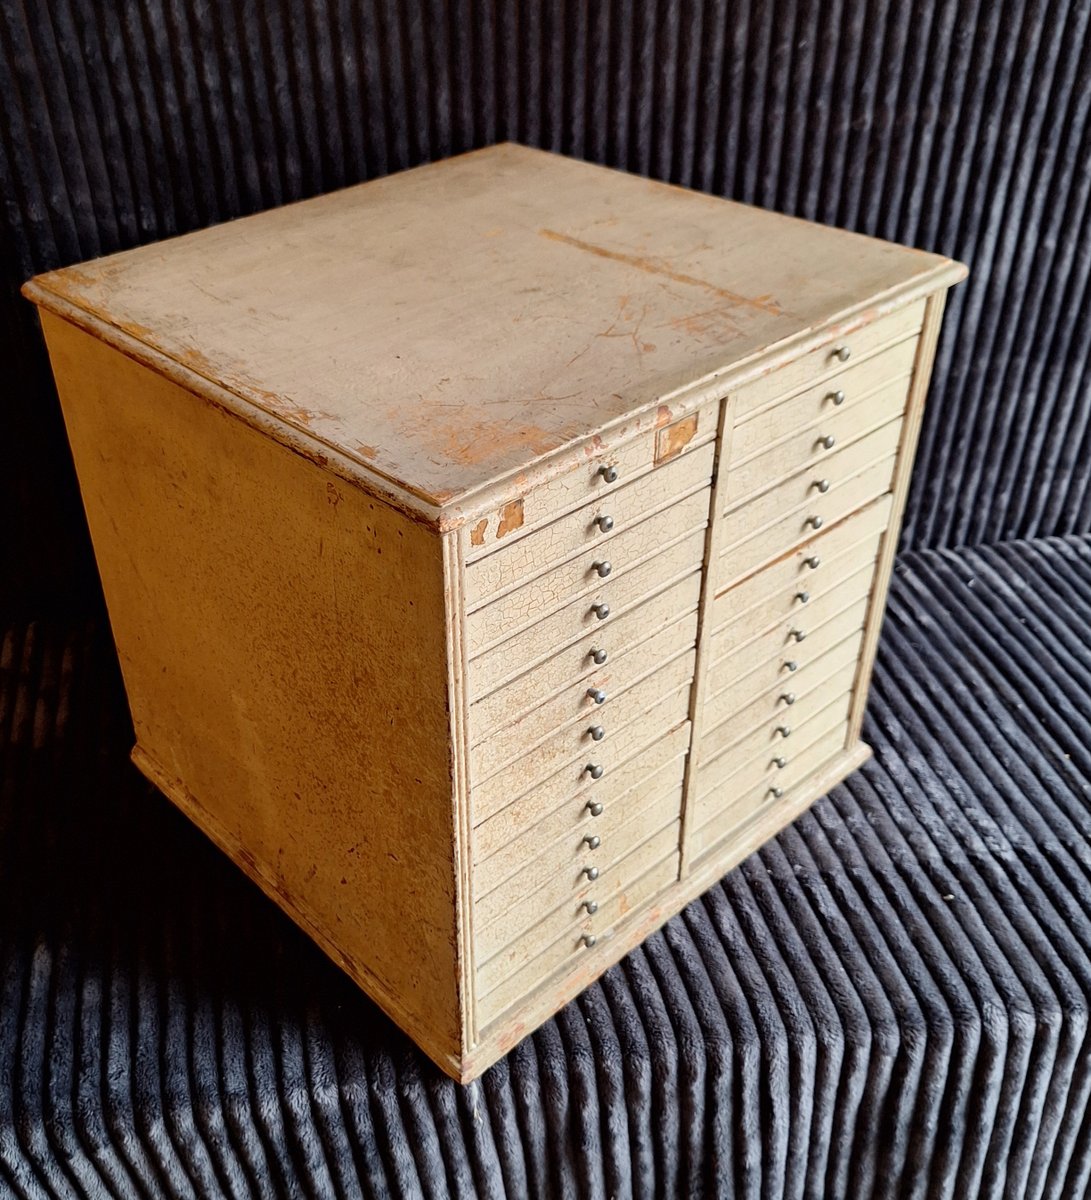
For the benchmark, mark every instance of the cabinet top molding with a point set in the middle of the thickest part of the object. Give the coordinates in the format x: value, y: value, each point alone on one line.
x: 451, y: 334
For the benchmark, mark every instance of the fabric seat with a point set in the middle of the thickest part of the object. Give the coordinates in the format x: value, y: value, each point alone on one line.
x: 890, y: 998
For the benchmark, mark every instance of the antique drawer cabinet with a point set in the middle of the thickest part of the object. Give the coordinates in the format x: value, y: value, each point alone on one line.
x: 495, y: 552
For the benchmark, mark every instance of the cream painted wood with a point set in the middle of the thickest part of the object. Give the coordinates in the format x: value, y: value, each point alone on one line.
x: 519, y: 562
x: 824, y: 363
x: 340, y: 463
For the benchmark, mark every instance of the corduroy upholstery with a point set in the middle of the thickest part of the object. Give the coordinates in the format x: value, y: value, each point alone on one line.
x: 891, y: 998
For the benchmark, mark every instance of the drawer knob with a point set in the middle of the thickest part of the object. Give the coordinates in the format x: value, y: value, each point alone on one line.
x: 823, y: 485
x: 792, y: 665
x: 592, y: 906
x: 780, y: 763
x: 798, y: 634
x: 814, y: 522
x: 597, y: 733
x: 814, y: 562
x: 841, y: 353
x: 838, y: 397
x: 594, y: 808
x: 595, y: 770
x: 602, y: 611
x: 593, y: 841
x: 784, y: 730
x: 789, y: 698
x: 803, y: 597
x: 598, y: 657
x: 589, y: 940
x: 602, y: 569
x: 828, y: 442
x: 605, y: 523
x: 597, y: 694
x: 776, y: 792
x: 609, y: 474
x: 592, y: 873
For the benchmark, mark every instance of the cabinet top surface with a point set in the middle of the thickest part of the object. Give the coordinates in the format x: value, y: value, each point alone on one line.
x: 451, y: 326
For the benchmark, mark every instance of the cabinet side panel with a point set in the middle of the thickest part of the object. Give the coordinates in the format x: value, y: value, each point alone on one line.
x: 282, y: 639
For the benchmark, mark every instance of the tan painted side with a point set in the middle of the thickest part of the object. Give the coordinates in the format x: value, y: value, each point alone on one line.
x: 282, y: 638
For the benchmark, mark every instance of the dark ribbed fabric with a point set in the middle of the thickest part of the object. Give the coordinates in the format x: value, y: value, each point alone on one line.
x: 890, y: 999
x: 953, y: 125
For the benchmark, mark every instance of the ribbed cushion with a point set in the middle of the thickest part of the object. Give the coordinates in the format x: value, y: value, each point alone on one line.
x: 888, y: 999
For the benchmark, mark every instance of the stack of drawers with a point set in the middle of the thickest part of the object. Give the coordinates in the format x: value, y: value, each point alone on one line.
x: 581, y: 631
x: 803, y: 507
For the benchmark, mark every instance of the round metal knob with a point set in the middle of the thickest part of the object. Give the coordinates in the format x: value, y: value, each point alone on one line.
x: 814, y: 562
x: 592, y: 873
x: 598, y: 657
x: 593, y: 841
x: 798, y: 634
x: 803, y: 597
x: 780, y: 763
x: 829, y: 441
x: 792, y: 665
x: 597, y: 733
x: 784, y: 730
x: 594, y: 808
x: 592, y: 906
x: 602, y: 569
x: 609, y: 474
x: 589, y: 940
x: 814, y: 522
x: 595, y: 770
x: 605, y: 523
x: 602, y: 611
x: 841, y: 353
x: 823, y: 485
x: 838, y: 397
x: 776, y: 792
x: 789, y: 698
x: 597, y: 694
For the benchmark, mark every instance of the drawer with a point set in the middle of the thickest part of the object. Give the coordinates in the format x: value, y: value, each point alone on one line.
x: 884, y: 375
x: 533, y: 925
x: 627, y: 634
x: 572, y: 704
x: 801, y: 449
x: 500, y: 988
x: 754, y: 728
x: 586, y: 614
x: 594, y: 525
x: 599, y: 477
x: 604, y: 737
x: 558, y: 939
x: 586, y: 574
x: 825, y: 510
x: 550, y: 845
x: 823, y: 363
x: 835, y: 550
x: 718, y: 817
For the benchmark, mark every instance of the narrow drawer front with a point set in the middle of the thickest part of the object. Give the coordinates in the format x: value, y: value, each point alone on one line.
x: 595, y: 526
x: 724, y: 812
x: 805, y: 449
x: 586, y: 614
x: 585, y: 575
x: 565, y: 934
x: 625, y: 635
x: 558, y: 766
x: 664, y: 650
x: 647, y: 797
x: 823, y: 363
x: 885, y: 376
x: 835, y: 550
x: 769, y: 683
x: 532, y: 925
x: 773, y: 541
x: 766, y: 724
x: 590, y: 482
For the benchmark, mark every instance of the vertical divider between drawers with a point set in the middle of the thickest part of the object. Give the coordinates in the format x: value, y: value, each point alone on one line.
x: 704, y: 622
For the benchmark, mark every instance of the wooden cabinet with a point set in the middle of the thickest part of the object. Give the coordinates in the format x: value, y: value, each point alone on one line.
x: 496, y: 552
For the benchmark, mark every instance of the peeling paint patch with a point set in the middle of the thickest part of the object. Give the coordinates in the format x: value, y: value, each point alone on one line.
x: 366, y: 451
x: 477, y: 534
x: 511, y: 517
x: 671, y: 440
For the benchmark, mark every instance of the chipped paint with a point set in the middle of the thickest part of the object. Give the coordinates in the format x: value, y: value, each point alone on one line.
x: 511, y: 517
x: 477, y: 533
x: 671, y: 440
